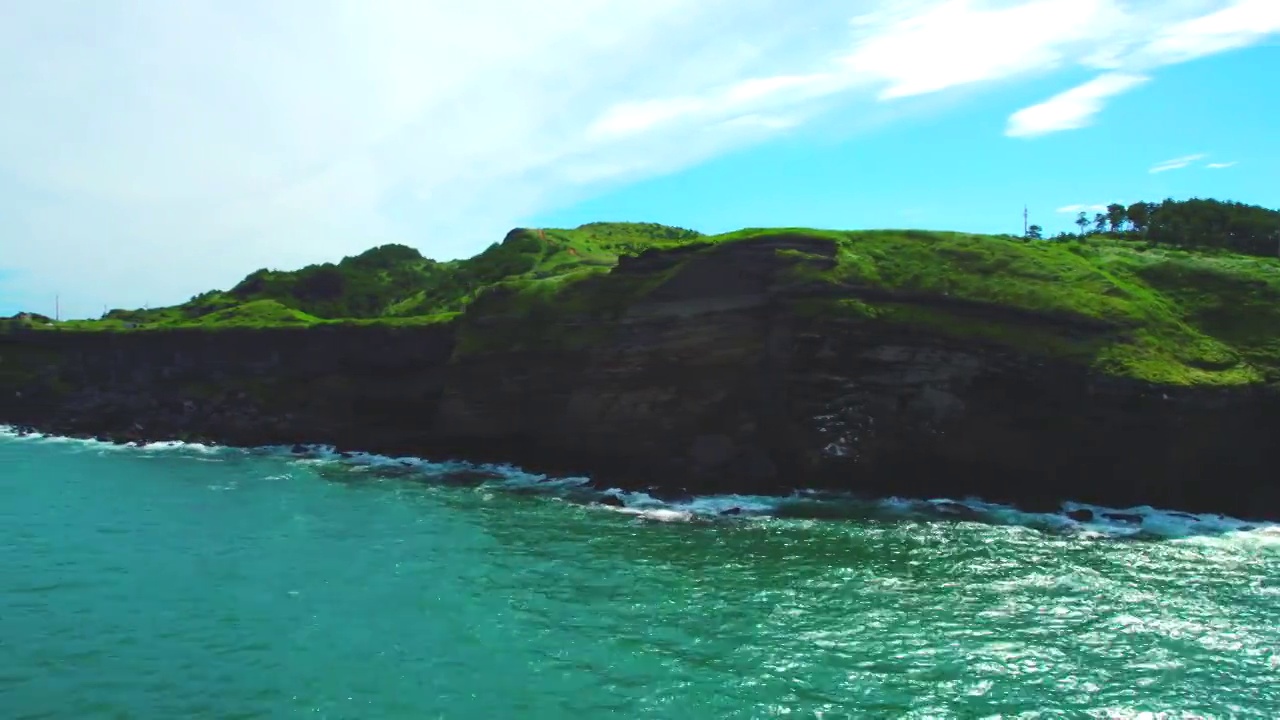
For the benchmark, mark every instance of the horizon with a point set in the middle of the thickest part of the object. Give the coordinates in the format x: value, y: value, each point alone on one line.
x: 152, y: 152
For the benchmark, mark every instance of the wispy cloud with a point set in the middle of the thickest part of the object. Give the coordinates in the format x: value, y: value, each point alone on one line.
x: 1072, y: 109
x: 1130, y: 58
x: 1081, y: 208
x: 1222, y: 165
x: 896, y: 51
x: 1239, y: 24
x: 1175, y: 163
x: 152, y: 149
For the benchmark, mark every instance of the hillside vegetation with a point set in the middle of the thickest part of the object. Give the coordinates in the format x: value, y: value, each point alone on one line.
x: 1118, y: 302
x: 396, y: 283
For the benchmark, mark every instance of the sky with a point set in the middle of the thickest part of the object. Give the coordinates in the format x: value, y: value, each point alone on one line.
x: 151, y: 149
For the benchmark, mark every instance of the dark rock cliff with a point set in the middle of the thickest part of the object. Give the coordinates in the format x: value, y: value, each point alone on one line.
x: 713, y: 381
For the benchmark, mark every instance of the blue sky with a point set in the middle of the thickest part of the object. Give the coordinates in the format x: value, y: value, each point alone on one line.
x: 955, y: 169
x: 152, y: 150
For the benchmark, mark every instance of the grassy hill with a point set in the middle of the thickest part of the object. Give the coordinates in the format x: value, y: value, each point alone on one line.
x: 1121, y: 304
x: 395, y: 282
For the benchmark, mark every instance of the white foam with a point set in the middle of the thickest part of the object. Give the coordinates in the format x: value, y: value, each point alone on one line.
x: 699, y: 506
x: 739, y: 504
x: 1163, y: 523
x: 656, y: 514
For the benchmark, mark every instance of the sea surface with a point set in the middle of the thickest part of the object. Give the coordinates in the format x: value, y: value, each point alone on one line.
x: 191, y: 582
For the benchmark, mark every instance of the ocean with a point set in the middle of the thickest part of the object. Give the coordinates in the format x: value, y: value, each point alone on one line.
x: 183, y: 581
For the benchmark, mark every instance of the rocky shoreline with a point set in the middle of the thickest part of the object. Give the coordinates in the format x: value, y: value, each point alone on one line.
x: 1068, y: 519
x: 883, y: 416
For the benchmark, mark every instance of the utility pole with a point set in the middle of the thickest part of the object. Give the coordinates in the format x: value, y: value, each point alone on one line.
x: 1025, y: 229
x: 57, y: 308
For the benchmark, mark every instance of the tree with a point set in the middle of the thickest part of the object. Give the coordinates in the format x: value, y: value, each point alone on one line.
x: 1082, y: 220
x: 1035, y: 232
x: 1139, y: 215
x: 1116, y: 215
x: 1100, y: 222
x: 320, y: 282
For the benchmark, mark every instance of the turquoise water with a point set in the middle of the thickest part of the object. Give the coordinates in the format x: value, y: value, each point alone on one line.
x: 189, y: 582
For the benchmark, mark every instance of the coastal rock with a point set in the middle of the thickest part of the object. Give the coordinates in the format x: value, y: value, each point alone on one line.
x: 1081, y: 515
x: 712, y: 451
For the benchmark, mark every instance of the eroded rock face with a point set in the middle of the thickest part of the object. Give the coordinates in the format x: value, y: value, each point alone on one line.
x: 916, y: 415
x: 713, y: 382
x: 365, y: 387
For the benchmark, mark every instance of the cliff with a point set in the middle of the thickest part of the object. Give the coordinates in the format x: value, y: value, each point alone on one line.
x: 903, y: 364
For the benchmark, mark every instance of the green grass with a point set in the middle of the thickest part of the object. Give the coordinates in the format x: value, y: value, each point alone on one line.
x: 258, y: 314
x: 1152, y: 302
x: 1122, y: 307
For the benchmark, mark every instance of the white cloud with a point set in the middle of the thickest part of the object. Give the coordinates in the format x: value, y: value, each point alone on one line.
x: 1239, y: 24
x: 1176, y: 163
x: 1179, y: 31
x: 1222, y: 165
x: 925, y: 47
x: 1081, y: 208
x: 1072, y: 109
x: 898, y: 51
x: 152, y: 149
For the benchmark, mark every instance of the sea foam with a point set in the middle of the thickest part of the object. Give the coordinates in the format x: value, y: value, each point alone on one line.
x: 1141, y: 522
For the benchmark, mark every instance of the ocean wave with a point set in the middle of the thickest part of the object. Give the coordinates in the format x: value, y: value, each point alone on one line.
x: 1082, y: 520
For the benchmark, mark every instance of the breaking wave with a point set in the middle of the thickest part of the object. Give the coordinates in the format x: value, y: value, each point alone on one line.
x: 1075, y: 519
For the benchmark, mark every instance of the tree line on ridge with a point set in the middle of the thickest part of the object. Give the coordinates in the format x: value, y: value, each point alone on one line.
x: 1195, y: 223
